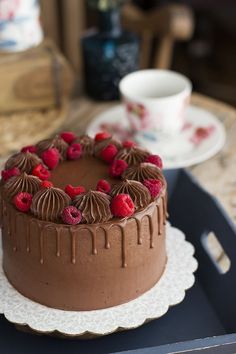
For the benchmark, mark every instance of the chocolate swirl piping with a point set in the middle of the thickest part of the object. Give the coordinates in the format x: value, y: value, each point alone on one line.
x: 48, y: 203
x: 56, y: 142
x: 99, y: 146
x: 132, y: 156
x: 25, y: 161
x: 142, y: 172
x: 87, y: 144
x: 137, y: 191
x: 21, y: 183
x: 94, y: 206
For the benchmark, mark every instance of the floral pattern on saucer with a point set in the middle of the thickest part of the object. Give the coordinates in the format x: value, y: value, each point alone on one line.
x: 201, y: 137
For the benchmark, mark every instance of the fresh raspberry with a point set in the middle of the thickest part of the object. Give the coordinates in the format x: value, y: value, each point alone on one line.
x: 155, y: 160
x: 46, y: 184
x: 109, y: 153
x: 128, y: 144
x: 71, y: 215
x: 102, y: 136
x: 23, y: 201
x: 154, y: 186
x: 41, y: 172
x: 68, y: 137
x: 103, y: 186
x: 29, y: 148
x: 122, y: 205
x: 11, y: 172
x: 51, y: 158
x: 74, y: 151
x: 117, y: 168
x: 74, y: 191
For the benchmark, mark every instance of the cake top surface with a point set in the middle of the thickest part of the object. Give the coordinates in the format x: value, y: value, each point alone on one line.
x: 71, y: 179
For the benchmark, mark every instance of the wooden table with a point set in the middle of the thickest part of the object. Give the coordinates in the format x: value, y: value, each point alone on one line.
x: 217, y: 175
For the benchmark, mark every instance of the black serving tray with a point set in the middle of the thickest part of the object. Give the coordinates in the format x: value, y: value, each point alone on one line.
x: 205, y: 320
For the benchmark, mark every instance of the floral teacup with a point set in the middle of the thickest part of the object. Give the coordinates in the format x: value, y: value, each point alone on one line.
x: 156, y: 100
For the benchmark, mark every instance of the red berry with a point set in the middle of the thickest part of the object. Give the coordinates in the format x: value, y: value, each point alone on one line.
x: 46, y: 184
x: 68, y: 137
x: 154, y: 186
x: 155, y: 160
x: 102, y: 136
x: 74, y: 151
x: 122, y: 205
x: 51, y: 158
x: 103, y: 186
x: 117, y: 168
x: 128, y: 144
x: 109, y: 153
x: 74, y: 191
x: 23, y: 201
x: 71, y: 215
x: 29, y: 148
x: 11, y: 172
x: 41, y: 172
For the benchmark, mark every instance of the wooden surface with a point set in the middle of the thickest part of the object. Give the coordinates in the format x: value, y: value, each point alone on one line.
x: 34, y: 79
x: 217, y: 175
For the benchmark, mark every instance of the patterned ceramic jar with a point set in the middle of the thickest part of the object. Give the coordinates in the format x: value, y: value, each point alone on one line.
x: 19, y: 25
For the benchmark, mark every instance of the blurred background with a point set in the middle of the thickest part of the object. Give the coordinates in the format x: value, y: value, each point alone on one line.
x: 58, y: 50
x: 197, y: 38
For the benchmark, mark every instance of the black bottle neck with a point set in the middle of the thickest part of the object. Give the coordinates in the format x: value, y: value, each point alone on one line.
x: 109, y: 22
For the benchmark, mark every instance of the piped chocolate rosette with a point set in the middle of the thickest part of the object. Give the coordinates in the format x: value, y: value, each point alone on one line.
x: 134, y: 180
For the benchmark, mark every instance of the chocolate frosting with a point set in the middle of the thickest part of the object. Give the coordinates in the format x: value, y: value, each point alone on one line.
x: 56, y: 142
x: 132, y: 156
x: 137, y: 191
x: 99, y: 146
x: 21, y: 183
x: 142, y: 172
x: 48, y: 203
x: 94, y: 206
x: 25, y: 161
x: 87, y: 144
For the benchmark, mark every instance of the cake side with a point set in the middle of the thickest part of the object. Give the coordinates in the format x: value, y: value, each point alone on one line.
x: 84, y: 267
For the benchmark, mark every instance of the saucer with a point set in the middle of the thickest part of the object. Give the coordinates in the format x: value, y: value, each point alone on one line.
x: 202, y: 136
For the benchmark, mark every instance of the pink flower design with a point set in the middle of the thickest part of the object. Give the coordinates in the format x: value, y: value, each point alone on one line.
x: 8, y: 9
x: 201, y: 133
x: 138, y: 115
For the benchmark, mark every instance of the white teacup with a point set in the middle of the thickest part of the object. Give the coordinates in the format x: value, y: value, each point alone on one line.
x: 156, y: 99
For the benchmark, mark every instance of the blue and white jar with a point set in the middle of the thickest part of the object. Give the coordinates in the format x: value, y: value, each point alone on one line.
x: 20, y: 26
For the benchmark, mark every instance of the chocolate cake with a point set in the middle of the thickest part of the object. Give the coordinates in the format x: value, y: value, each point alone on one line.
x: 83, y: 221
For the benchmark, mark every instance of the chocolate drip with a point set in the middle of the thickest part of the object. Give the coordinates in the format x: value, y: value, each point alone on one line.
x: 27, y: 235
x: 165, y: 213
x: 73, y: 245
x: 151, y: 231
x: 94, y: 241
x: 159, y: 219
x: 138, y: 225
x: 107, y: 243
x: 13, y: 233
x: 58, y: 241
x: 41, y: 245
x: 124, y: 264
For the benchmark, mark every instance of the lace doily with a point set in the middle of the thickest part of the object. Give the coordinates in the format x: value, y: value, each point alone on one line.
x: 170, y: 290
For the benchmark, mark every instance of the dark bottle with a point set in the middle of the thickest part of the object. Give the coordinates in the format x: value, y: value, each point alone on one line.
x: 109, y: 54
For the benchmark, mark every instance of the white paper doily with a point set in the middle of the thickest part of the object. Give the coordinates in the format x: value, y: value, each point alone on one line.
x: 170, y: 290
